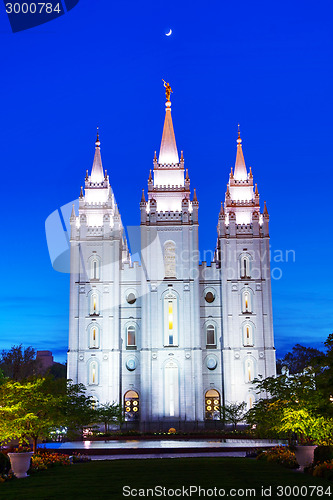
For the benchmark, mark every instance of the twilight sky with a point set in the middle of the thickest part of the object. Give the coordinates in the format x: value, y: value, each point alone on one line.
x: 266, y: 65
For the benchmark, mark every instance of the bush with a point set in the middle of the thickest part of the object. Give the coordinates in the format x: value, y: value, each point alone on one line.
x: 324, y: 470
x: 280, y: 455
x: 4, y: 463
x: 323, y: 454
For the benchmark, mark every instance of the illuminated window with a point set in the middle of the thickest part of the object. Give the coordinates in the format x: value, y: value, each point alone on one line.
x: 170, y: 259
x: 210, y: 336
x: 212, y: 405
x: 131, y: 405
x: 247, y: 335
x: 94, y: 336
x: 93, y: 373
x: 131, y: 337
x: 170, y: 320
x: 250, y: 401
x: 94, y: 403
x: 94, y: 304
x: 246, y: 302
x: 249, y: 370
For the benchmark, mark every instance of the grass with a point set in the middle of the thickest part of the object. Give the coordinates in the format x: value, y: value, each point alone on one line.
x: 106, y: 479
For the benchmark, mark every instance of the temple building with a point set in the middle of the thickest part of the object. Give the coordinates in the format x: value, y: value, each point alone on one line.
x: 170, y: 338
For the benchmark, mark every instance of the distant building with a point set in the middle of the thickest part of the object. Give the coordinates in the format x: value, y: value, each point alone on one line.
x: 44, y: 359
x: 170, y: 339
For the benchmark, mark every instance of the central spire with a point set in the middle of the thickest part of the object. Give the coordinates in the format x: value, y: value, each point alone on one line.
x: 97, y: 174
x: 168, y: 151
x: 240, y: 173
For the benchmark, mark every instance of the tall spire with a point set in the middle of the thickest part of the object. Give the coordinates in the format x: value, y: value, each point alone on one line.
x: 240, y: 173
x: 97, y: 174
x: 168, y: 150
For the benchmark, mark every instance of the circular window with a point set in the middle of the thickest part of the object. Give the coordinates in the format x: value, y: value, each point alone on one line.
x: 131, y: 364
x: 131, y: 298
x: 209, y: 297
x: 211, y: 363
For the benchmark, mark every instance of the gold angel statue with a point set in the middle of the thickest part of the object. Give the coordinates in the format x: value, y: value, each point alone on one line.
x: 168, y: 89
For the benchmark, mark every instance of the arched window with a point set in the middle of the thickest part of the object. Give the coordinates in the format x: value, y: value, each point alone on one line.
x: 170, y: 259
x: 94, y: 336
x: 93, y: 377
x: 94, y: 403
x: 131, y: 405
x: 131, y: 337
x: 246, y: 302
x: 247, y: 335
x: 170, y: 305
x: 212, y: 405
x: 250, y: 401
x: 171, y: 390
x: 249, y: 370
x: 94, y: 304
x: 210, y: 336
x: 94, y: 264
x: 245, y: 266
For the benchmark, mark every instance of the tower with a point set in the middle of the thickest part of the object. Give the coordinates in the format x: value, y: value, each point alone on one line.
x: 98, y: 252
x: 171, y: 361
x: 243, y: 256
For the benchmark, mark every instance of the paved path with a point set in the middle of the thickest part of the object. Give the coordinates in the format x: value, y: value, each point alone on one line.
x: 168, y: 455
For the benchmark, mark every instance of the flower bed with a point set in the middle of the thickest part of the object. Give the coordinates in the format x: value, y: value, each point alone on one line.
x: 41, y: 460
x: 280, y: 455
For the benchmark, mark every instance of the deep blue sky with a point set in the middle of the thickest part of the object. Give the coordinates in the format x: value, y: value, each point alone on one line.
x: 267, y: 65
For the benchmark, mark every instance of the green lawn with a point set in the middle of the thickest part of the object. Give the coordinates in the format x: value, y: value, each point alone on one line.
x: 106, y: 479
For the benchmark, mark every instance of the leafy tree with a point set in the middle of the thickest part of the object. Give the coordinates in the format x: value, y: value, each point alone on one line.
x: 234, y: 413
x: 19, y: 363
x: 77, y: 408
x: 107, y: 414
x: 27, y: 411
x: 300, y: 358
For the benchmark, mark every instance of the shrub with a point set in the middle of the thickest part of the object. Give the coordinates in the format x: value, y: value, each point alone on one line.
x: 4, y: 463
x: 280, y: 455
x: 324, y: 470
x: 323, y: 454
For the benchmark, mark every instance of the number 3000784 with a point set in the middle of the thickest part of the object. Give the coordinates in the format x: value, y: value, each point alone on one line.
x: 32, y: 8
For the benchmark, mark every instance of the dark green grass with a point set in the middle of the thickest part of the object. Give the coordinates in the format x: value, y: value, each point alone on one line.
x: 106, y: 479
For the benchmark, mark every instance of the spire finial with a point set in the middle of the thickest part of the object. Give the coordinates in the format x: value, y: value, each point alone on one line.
x: 265, y: 209
x: 256, y: 191
x: 150, y: 176
x: 250, y: 174
x: 231, y: 174
x: 222, y: 209
x: 81, y: 193
x: 239, y: 140
x: 155, y: 157
x: 143, y: 199
x: 97, y: 143
x: 168, y: 90
x: 187, y: 177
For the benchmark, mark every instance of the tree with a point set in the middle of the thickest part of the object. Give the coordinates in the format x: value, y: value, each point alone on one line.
x: 109, y: 413
x: 76, y: 407
x: 27, y: 411
x: 234, y: 413
x: 19, y: 363
x: 300, y: 358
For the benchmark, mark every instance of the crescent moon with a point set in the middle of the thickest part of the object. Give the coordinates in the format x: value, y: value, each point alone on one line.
x: 168, y: 34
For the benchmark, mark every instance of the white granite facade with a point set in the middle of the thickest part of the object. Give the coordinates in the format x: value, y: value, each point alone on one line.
x: 170, y: 338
